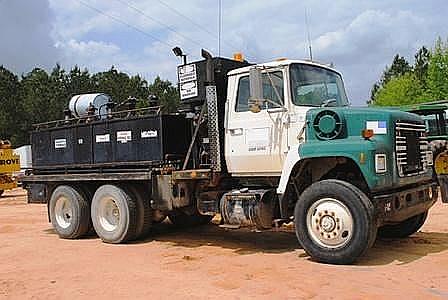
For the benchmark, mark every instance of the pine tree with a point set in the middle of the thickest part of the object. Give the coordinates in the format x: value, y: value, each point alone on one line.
x: 438, y: 71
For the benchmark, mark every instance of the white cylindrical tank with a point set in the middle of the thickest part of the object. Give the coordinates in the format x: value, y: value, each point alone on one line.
x: 79, y: 104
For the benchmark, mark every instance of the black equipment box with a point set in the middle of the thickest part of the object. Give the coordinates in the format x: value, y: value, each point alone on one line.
x: 192, y: 78
x: 138, y: 142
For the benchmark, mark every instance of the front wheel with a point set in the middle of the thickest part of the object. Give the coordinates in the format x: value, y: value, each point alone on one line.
x: 334, y: 222
x: 405, y: 228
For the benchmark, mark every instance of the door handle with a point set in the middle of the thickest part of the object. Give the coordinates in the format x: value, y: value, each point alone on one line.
x: 236, y: 131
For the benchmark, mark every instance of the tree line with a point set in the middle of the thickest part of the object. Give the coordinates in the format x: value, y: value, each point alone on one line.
x: 425, y: 80
x: 41, y: 96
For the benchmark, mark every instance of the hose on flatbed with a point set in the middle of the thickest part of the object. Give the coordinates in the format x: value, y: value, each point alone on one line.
x: 193, y: 139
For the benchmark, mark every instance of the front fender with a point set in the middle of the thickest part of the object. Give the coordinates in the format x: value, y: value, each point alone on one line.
x: 292, y: 158
x: 361, y: 152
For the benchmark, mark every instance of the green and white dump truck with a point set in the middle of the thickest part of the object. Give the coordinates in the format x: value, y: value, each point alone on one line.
x: 258, y: 144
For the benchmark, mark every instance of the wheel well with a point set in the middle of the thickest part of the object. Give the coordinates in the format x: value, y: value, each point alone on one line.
x: 311, y: 170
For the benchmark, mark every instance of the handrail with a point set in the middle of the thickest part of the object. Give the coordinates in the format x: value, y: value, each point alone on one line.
x: 139, y: 112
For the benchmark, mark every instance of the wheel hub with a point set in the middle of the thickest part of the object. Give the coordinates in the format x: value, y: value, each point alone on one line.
x: 330, y: 223
x: 109, y: 214
x: 63, y: 212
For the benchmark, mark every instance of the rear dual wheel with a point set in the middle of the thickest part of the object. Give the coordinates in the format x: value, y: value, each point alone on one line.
x: 120, y: 214
x: 69, y: 212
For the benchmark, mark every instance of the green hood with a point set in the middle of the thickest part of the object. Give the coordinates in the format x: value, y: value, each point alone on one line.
x: 336, y: 132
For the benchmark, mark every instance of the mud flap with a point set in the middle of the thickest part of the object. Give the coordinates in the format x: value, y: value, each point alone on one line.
x: 443, y: 183
x: 37, y: 193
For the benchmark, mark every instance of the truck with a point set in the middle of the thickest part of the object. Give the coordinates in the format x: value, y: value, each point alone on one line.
x: 257, y: 144
x: 434, y: 115
x: 9, y: 163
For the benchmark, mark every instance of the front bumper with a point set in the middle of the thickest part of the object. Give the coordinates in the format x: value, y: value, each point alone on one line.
x: 398, y: 206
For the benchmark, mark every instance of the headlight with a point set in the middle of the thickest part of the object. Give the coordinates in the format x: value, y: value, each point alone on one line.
x: 380, y: 163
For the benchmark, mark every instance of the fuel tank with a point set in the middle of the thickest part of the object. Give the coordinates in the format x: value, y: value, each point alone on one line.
x: 248, y: 208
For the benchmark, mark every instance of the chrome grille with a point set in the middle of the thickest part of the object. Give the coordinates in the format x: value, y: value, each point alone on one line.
x: 411, y: 147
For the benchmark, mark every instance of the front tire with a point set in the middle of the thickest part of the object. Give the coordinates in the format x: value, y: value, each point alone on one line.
x: 114, y: 214
x: 334, y: 222
x: 69, y: 212
x: 403, y: 229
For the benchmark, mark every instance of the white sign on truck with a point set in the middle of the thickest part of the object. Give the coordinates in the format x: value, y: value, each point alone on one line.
x: 188, y: 84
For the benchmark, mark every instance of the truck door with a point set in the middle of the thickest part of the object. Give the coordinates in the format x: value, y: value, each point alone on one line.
x: 256, y: 143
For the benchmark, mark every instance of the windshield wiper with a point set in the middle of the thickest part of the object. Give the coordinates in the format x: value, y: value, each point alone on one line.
x: 328, y: 102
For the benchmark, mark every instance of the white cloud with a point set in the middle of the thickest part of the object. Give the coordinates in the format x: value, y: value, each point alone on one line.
x: 367, y: 44
x: 93, y: 55
x: 360, y: 37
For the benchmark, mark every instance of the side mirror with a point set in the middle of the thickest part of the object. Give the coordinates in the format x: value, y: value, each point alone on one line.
x: 256, y: 90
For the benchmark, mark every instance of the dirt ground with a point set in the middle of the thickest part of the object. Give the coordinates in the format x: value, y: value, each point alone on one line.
x: 208, y: 262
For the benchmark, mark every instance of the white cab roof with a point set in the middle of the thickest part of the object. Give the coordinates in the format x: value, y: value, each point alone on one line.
x: 280, y: 63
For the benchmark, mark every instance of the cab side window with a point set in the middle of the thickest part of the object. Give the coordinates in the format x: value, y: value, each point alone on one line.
x: 270, y: 85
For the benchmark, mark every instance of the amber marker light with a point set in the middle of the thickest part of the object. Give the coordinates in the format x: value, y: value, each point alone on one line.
x: 238, y: 56
x: 367, y: 133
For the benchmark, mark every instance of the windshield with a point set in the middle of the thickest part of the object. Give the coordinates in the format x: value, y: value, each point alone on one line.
x: 315, y: 86
x: 435, y: 124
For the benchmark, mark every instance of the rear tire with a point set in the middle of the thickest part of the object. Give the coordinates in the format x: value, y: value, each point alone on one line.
x: 69, y: 212
x: 334, y: 222
x: 87, y: 193
x: 403, y: 229
x: 144, y: 212
x: 114, y: 214
x: 1, y: 192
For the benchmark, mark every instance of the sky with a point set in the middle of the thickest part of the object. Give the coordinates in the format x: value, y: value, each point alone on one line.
x: 359, y: 37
